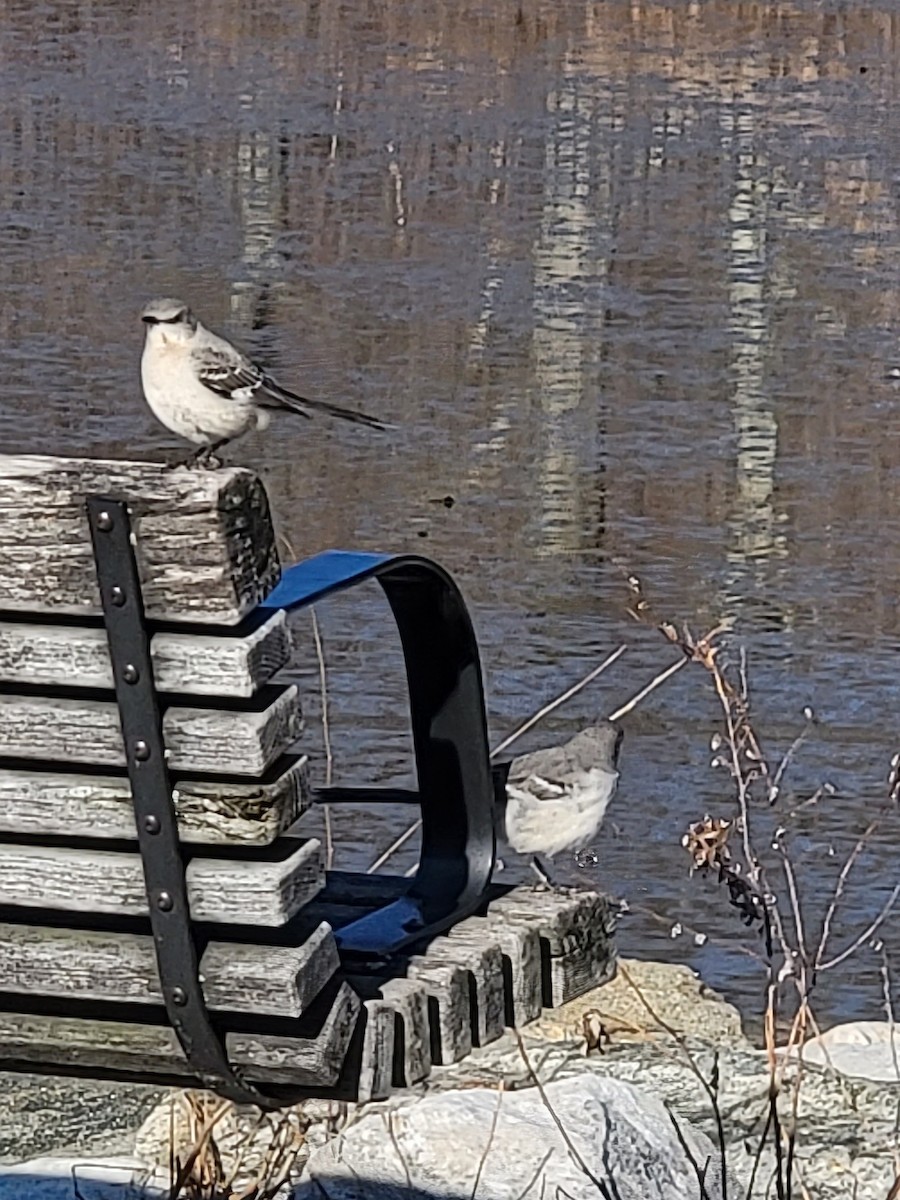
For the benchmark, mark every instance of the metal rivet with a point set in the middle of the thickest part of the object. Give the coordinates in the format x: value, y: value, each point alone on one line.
x: 164, y: 902
x: 179, y: 996
x: 141, y: 751
x: 151, y: 824
x: 117, y: 596
x: 130, y: 673
x: 104, y: 521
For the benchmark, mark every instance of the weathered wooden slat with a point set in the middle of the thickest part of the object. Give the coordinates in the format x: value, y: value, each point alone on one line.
x: 397, y: 1044
x: 520, y: 946
x: 30, y: 1041
x: 100, y: 966
x: 46, y: 804
x: 467, y: 947
x: 204, y: 539
x: 374, y: 1074
x: 578, y: 929
x: 188, y: 663
x: 466, y: 944
x: 450, y: 1007
x: 410, y: 1000
x: 225, y: 741
x: 229, y: 891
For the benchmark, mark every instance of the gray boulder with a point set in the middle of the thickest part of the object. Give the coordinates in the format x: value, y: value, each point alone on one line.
x: 585, y: 1137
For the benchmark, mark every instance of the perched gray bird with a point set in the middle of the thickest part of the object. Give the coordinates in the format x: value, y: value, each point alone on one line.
x: 556, y: 798
x: 205, y: 390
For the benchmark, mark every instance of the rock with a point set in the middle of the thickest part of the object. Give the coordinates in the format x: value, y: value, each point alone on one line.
x: 857, y: 1050
x: 504, y: 1145
x: 641, y: 994
x: 47, y: 1114
x: 845, y: 1130
x: 74, y: 1179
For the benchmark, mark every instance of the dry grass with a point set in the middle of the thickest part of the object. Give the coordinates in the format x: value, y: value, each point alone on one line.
x: 213, y: 1156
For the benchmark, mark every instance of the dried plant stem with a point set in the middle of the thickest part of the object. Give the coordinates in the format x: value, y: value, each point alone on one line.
x: 651, y: 687
x: 395, y: 846
x: 867, y: 933
x: 487, y: 1146
x: 788, y: 756
x: 862, y: 841
x: 577, y: 1158
x: 203, y: 1175
x: 681, y: 1042
x: 195, y: 1161
x: 885, y: 972
x: 699, y: 1171
x: 561, y: 699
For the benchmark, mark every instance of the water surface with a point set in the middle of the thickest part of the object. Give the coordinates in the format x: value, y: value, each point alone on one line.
x: 622, y: 275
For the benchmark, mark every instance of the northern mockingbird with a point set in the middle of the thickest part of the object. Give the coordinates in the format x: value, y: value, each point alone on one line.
x: 205, y: 390
x: 556, y: 798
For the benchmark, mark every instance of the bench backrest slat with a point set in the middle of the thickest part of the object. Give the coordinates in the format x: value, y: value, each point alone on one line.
x: 222, y: 741
x: 204, y: 539
x: 198, y: 663
x: 252, y: 812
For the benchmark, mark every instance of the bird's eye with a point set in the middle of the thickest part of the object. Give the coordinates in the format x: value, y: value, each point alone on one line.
x: 179, y: 316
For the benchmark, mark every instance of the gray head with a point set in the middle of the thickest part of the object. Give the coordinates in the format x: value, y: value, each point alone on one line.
x: 172, y: 318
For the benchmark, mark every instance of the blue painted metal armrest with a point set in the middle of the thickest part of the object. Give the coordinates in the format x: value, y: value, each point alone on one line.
x: 449, y: 738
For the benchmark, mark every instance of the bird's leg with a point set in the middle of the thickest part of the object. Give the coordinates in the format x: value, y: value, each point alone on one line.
x: 196, y: 458
x: 546, y: 879
x: 212, y: 457
x: 204, y: 457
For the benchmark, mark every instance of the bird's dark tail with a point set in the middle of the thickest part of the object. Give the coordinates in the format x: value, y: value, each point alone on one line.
x: 301, y: 404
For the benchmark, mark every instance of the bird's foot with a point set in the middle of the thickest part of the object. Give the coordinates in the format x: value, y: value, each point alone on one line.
x: 181, y: 462
x: 203, y: 459
x: 546, y: 882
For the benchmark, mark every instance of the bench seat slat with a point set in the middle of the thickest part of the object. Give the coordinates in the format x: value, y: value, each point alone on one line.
x: 305, y: 1061
x: 46, y: 804
x: 187, y: 663
x: 224, y: 891
x: 77, y: 964
x: 204, y: 539
x: 224, y: 741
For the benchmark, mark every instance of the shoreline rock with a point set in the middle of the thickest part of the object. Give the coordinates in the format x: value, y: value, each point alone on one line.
x: 845, y: 1125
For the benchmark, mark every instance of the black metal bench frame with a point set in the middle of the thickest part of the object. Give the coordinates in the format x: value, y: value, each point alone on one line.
x: 455, y: 784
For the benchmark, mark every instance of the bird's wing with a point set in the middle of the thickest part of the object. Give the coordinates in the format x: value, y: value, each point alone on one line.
x: 225, y: 370
x: 551, y: 773
x: 540, y: 772
x: 536, y: 787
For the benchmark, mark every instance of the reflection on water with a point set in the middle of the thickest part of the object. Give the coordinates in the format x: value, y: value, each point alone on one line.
x: 622, y: 275
x: 753, y: 519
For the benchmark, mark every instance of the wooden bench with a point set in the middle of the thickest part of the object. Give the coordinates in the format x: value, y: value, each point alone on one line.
x: 162, y: 916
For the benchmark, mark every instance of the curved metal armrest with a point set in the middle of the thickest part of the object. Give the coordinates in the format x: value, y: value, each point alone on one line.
x: 449, y: 737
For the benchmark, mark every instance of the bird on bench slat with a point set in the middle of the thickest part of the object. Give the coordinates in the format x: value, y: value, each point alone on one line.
x: 204, y: 389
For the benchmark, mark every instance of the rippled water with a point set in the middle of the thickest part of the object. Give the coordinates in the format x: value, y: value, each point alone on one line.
x: 623, y: 275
